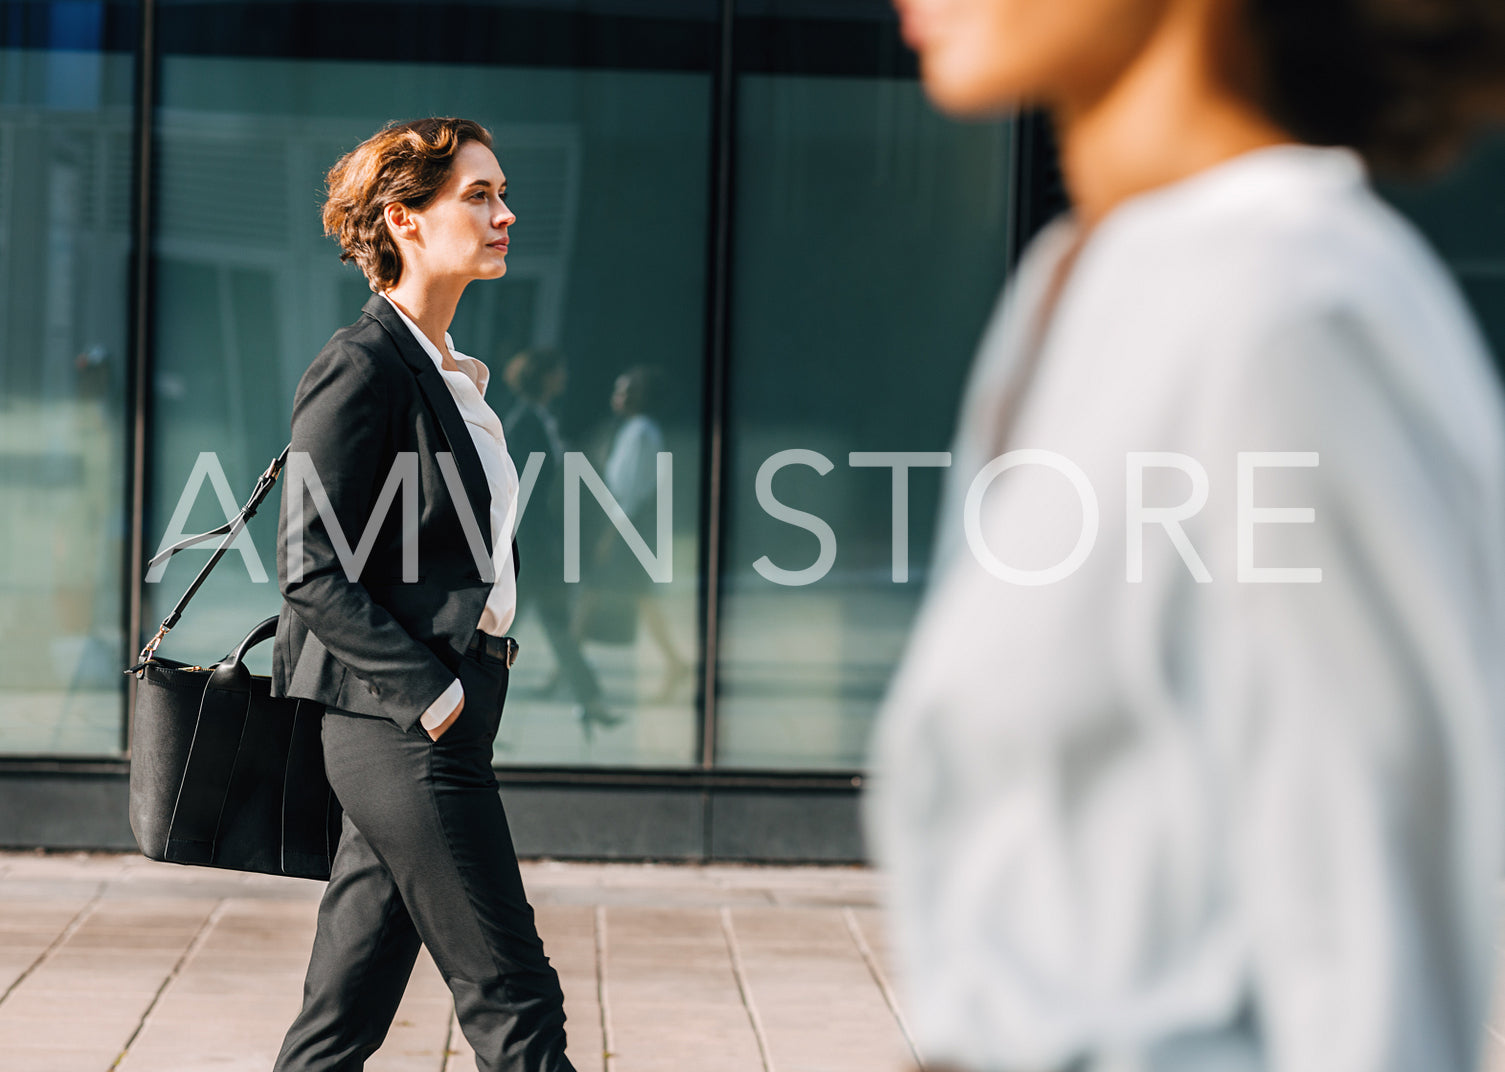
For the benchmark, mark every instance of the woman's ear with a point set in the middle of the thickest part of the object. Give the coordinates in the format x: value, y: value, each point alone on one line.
x: 401, y: 222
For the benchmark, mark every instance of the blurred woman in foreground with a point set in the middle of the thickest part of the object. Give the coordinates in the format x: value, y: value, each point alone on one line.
x: 1193, y: 760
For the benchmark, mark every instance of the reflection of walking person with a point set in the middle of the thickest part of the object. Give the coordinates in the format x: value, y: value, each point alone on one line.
x: 538, y: 377
x: 411, y: 663
x: 621, y: 590
x: 1224, y: 794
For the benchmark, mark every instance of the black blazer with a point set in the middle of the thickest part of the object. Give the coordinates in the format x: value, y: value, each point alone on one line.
x: 379, y: 645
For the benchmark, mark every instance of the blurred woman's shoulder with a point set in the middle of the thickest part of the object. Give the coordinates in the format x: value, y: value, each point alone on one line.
x: 1270, y: 245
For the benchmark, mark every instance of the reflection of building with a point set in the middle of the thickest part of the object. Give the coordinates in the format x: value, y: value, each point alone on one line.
x: 770, y: 215
x: 64, y: 248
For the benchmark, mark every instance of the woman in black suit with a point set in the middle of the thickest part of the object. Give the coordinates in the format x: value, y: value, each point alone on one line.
x: 398, y: 571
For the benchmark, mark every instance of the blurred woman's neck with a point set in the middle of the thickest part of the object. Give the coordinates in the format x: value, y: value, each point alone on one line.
x: 1182, y: 105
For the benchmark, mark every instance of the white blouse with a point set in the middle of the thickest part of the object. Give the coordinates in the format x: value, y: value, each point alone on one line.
x: 1167, y: 811
x: 468, y: 388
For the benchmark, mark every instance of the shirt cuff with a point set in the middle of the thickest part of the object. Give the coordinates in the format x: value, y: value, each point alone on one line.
x: 444, y: 706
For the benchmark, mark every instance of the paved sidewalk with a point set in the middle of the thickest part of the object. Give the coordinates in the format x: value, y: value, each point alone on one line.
x: 111, y: 962
x: 115, y: 962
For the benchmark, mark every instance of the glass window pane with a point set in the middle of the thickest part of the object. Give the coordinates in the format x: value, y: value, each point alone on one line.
x: 608, y: 176
x: 66, y: 76
x: 869, y: 247
x: 1462, y: 214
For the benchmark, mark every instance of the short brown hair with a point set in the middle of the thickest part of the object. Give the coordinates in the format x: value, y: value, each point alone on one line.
x: 402, y: 163
x: 1405, y: 82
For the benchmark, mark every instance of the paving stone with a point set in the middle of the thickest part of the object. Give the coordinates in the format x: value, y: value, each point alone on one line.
x: 651, y: 1038
x: 180, y: 1003
x: 24, y: 917
x: 806, y: 998
x: 65, y: 1026
x: 663, y: 926
x: 72, y: 894
x: 62, y: 1058
x: 167, y: 1055
x: 92, y: 980
x: 672, y: 997
x: 33, y: 1006
x: 795, y: 928
x: 202, y: 979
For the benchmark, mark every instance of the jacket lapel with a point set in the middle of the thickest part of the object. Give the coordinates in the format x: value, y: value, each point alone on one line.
x: 461, y: 446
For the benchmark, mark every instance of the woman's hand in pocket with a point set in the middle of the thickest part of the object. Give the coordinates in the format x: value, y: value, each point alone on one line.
x: 438, y: 731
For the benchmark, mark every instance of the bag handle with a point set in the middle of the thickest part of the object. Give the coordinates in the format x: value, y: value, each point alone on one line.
x: 230, y: 530
x: 230, y: 672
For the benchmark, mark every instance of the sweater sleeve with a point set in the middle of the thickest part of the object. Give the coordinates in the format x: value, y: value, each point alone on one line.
x: 1357, y: 703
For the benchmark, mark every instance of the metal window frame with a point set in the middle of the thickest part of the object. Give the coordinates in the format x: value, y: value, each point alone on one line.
x: 138, y: 362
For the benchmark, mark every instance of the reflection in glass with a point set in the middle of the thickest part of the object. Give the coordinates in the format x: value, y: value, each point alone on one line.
x: 863, y: 279
x: 607, y: 173
x: 1463, y: 215
x: 620, y: 591
x: 65, y: 181
x: 538, y: 377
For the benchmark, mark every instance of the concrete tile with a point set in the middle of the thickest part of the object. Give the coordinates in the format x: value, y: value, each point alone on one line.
x: 163, y: 1055
x: 673, y: 996
x: 88, y: 866
x: 559, y: 921
x: 207, y: 981
x: 33, y: 1005
x: 17, y: 956
x: 180, y: 1004
x: 581, y: 996
x: 660, y: 926
x: 146, y: 981
x: 126, y: 941
x: 824, y: 897
x: 49, y: 1032
x: 180, y: 913
x: 64, y: 892
x: 791, y: 926
x: 66, y: 1059
x: 35, y: 915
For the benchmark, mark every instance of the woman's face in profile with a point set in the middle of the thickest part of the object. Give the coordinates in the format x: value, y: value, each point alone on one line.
x: 463, y: 230
x: 983, y: 57
x: 621, y: 394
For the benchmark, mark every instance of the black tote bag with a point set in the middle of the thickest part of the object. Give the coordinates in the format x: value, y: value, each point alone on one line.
x: 222, y: 774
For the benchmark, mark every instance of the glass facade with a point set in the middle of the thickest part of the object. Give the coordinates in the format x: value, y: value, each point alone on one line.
x: 607, y: 174
x: 760, y: 223
x: 66, y: 115
x: 869, y: 238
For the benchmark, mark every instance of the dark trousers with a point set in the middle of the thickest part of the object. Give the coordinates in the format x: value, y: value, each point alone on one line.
x: 425, y: 856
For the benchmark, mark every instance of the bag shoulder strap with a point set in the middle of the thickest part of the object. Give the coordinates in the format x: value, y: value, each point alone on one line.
x: 229, y: 530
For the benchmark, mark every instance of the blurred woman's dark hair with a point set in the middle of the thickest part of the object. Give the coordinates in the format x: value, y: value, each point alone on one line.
x: 528, y: 370
x: 1405, y: 82
x: 643, y: 383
